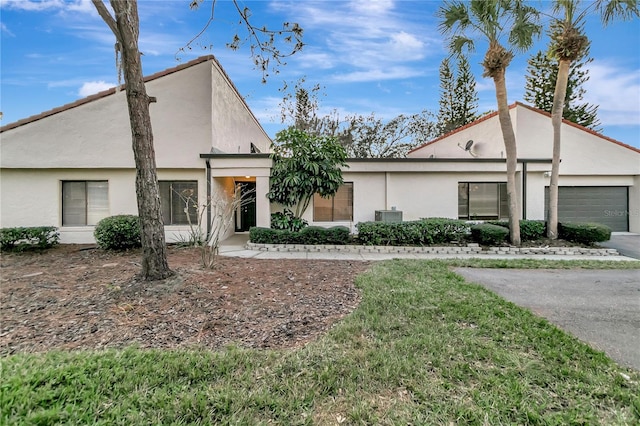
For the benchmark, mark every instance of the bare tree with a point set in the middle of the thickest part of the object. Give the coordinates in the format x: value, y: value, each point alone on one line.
x: 125, y: 25
x: 222, y: 207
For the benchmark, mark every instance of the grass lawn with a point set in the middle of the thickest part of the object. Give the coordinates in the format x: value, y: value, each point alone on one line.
x: 423, y: 347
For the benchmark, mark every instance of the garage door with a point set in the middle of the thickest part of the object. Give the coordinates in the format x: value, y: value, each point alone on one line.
x: 608, y: 205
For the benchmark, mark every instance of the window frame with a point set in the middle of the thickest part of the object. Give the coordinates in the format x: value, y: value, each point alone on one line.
x: 86, y: 201
x: 172, y: 214
x: 502, y: 207
x: 332, y: 199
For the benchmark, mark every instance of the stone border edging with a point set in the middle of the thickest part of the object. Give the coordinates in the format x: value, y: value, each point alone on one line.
x: 466, y: 250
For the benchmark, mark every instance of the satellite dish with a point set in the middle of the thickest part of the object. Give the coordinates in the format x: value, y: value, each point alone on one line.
x: 468, y: 146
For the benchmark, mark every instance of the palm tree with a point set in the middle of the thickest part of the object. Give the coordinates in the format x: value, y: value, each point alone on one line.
x: 568, y: 43
x: 495, y: 20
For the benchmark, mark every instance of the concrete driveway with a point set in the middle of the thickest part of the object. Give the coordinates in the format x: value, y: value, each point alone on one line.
x: 600, y: 307
x: 626, y: 243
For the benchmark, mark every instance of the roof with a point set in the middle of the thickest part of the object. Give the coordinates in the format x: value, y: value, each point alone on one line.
x: 113, y: 90
x: 539, y: 111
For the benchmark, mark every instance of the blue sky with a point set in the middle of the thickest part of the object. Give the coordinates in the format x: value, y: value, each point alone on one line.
x: 369, y: 56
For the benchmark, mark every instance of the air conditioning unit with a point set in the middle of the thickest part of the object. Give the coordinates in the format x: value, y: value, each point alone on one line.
x: 388, y: 216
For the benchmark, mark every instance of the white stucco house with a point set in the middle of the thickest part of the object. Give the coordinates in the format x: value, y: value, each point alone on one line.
x: 463, y: 175
x: 71, y: 166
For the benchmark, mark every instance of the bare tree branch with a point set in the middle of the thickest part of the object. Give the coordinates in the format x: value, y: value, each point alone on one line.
x: 261, y: 39
x: 106, y: 17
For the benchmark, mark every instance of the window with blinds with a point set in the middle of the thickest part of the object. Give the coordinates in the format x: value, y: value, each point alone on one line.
x: 84, y: 203
x: 334, y: 209
x: 179, y: 202
x: 482, y: 200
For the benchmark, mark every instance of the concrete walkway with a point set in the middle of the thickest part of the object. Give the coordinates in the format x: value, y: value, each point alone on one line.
x: 236, y: 246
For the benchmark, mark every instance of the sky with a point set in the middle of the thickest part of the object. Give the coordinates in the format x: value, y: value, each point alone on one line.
x: 368, y: 56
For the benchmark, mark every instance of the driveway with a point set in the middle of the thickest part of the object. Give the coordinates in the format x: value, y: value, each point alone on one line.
x: 626, y: 243
x: 600, y: 307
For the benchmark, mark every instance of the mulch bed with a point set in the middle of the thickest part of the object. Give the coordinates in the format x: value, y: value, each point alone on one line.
x: 82, y: 298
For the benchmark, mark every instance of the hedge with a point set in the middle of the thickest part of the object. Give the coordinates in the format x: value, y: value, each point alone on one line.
x: 530, y: 230
x: 421, y: 232
x: 338, y: 235
x: 489, y: 234
x: 584, y: 233
x: 24, y: 238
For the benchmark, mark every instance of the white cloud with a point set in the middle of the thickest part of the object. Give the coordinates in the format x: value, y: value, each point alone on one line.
x: 92, y: 87
x: 47, y: 5
x: 371, y: 36
x: 391, y: 73
x: 616, y: 91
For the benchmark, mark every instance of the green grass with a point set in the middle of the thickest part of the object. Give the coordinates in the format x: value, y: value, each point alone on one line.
x: 423, y: 347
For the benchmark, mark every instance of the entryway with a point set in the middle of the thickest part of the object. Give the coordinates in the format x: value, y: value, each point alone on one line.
x: 246, y: 212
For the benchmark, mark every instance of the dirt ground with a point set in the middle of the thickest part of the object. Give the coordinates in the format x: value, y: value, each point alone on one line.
x: 78, y: 297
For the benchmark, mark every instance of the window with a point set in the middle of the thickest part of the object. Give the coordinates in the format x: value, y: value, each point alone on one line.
x: 336, y: 208
x: 84, y: 202
x: 482, y: 200
x: 177, y: 199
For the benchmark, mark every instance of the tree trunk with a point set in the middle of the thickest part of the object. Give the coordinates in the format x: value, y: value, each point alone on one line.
x: 509, y: 138
x: 556, y: 120
x: 154, y: 255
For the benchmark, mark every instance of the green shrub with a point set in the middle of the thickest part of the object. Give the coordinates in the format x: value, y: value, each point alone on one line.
x: 286, y: 220
x: 585, y: 233
x: 530, y: 230
x: 489, y: 234
x: 309, y: 235
x: 313, y: 235
x: 339, y: 235
x: 412, y: 233
x: 21, y: 238
x: 120, y: 232
x: 442, y: 230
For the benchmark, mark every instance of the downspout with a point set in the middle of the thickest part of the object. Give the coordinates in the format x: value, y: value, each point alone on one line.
x: 208, y: 199
x: 524, y: 190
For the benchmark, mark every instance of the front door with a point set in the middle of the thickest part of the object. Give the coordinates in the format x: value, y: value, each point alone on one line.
x: 246, y: 213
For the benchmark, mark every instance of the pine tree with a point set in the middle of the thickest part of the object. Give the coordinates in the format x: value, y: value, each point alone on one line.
x: 541, y: 79
x: 466, y: 107
x: 458, y: 96
x: 447, y: 92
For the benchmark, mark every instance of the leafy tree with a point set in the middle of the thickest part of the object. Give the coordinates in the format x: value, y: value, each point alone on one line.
x: 461, y: 21
x: 371, y: 137
x: 458, y: 96
x: 541, y: 82
x: 568, y: 44
x: 361, y: 136
x: 125, y: 25
x: 304, y: 164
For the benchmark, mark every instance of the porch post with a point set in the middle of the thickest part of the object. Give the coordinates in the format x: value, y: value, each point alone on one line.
x: 263, y: 206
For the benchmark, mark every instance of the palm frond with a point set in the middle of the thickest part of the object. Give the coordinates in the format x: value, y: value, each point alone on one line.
x: 454, y: 17
x: 459, y: 45
x: 617, y: 9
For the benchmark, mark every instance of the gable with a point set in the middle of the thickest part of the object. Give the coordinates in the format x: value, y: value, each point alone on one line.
x: 582, y: 151
x: 191, y: 115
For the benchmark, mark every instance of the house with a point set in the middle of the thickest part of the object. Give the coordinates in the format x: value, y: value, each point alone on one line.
x: 463, y: 175
x: 71, y: 166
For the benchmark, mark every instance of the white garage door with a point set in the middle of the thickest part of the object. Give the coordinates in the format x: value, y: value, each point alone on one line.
x: 608, y: 205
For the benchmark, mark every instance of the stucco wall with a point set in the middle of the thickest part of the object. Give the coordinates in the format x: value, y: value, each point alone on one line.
x: 191, y: 116
x: 97, y: 134
x: 416, y: 194
x: 34, y: 198
x: 234, y: 126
